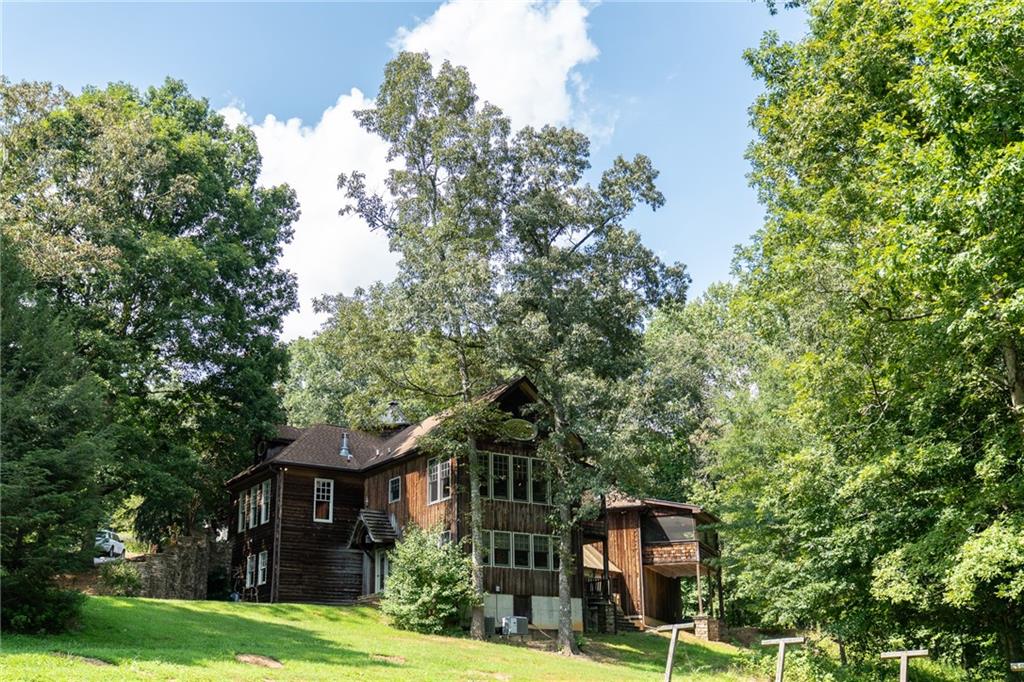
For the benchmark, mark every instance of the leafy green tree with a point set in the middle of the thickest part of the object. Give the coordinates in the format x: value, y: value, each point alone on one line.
x: 56, y: 446
x: 141, y: 214
x: 442, y: 214
x: 879, y: 461
x: 429, y: 586
x: 578, y: 289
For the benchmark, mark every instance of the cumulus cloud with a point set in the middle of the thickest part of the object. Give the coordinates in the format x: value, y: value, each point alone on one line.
x: 523, y: 56
x: 329, y: 253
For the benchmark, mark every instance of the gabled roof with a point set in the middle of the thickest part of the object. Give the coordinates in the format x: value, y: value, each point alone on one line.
x: 620, y: 501
x: 377, y: 524
x: 319, y: 445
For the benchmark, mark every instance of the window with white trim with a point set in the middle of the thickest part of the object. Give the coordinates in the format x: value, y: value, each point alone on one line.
x: 242, y: 502
x: 484, y: 459
x: 502, y: 548
x: 261, y: 571
x: 265, y: 502
x: 253, y: 505
x: 499, y: 477
x: 445, y: 537
x: 521, y: 550
x: 394, y: 489
x: 323, y: 500
x: 541, y: 552
x: 555, y: 560
x: 250, y: 570
x: 538, y: 481
x: 485, y: 547
x: 520, y: 479
x: 439, y: 480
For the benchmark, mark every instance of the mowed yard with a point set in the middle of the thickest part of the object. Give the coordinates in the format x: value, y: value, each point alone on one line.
x: 182, y: 640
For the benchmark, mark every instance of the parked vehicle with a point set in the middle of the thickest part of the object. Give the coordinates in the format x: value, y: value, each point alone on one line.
x: 110, y: 543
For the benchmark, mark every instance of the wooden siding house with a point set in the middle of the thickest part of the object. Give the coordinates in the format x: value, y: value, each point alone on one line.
x: 315, y: 515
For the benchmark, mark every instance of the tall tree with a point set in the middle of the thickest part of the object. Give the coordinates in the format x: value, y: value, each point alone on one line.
x: 141, y: 213
x: 888, y: 279
x: 55, y: 434
x: 578, y: 289
x: 442, y: 214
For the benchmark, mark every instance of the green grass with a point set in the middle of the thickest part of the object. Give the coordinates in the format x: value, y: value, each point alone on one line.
x: 183, y: 640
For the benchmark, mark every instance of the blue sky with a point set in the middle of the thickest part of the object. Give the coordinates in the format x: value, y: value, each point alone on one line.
x: 666, y: 80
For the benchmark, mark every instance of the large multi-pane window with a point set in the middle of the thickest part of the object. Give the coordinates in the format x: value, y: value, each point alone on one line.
x: 499, y: 477
x: 539, y: 481
x: 521, y: 550
x: 242, y: 504
x: 250, y: 570
x: 485, y: 549
x: 502, y: 548
x: 265, y: 501
x: 254, y: 501
x: 541, y: 552
x: 439, y: 480
x: 323, y: 500
x: 521, y: 479
x: 514, y: 477
x: 675, y: 528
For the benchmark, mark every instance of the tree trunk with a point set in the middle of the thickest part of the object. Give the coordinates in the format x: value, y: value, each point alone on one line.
x: 476, y: 626
x: 1014, y: 377
x: 566, y: 638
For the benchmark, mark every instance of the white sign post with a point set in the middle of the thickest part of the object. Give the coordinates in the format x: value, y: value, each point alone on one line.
x: 904, y: 657
x: 780, y: 662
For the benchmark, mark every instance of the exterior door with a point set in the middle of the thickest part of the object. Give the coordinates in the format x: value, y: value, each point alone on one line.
x: 380, y: 570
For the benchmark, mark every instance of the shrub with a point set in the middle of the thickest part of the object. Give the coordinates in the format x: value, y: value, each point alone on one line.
x: 429, y: 587
x: 35, y: 609
x: 119, y: 579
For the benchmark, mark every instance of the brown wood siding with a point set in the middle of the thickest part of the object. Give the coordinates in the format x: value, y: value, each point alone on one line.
x: 671, y: 553
x: 252, y: 541
x: 623, y: 544
x: 413, y: 506
x: 315, y: 564
x: 662, y: 599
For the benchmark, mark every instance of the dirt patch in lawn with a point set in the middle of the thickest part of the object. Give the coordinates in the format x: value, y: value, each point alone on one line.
x: 477, y: 675
x: 398, y: 660
x: 257, y: 659
x: 88, y: 660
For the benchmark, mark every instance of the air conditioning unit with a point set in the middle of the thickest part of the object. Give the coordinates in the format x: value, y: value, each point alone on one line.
x: 514, y: 625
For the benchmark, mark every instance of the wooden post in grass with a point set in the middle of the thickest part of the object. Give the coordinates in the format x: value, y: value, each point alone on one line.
x: 780, y: 661
x: 904, y: 657
x: 672, y: 652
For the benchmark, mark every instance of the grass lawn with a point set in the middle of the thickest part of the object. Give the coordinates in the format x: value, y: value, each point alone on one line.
x: 183, y: 640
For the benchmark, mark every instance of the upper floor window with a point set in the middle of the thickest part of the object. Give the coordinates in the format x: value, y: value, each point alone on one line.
x: 521, y: 550
x: 514, y: 477
x: 395, y: 489
x: 242, y: 504
x: 323, y: 500
x: 265, y: 501
x: 521, y: 479
x: 499, y: 477
x: 674, y: 528
x: 541, y: 551
x: 254, y: 502
x: 439, y: 480
x: 501, y: 552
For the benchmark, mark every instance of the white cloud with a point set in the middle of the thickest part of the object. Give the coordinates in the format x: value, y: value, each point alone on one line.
x: 522, y: 56
x: 329, y: 253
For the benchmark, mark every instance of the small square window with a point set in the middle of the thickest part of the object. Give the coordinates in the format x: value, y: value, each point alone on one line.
x: 394, y: 489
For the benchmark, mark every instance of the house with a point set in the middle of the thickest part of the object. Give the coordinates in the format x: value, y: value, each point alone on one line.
x: 314, y: 516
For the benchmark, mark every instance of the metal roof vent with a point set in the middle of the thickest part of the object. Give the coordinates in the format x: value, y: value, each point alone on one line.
x: 344, y: 447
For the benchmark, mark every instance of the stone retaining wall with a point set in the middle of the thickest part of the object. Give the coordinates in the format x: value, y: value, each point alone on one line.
x: 181, y: 570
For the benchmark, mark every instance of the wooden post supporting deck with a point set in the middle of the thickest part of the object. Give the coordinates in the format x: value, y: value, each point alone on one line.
x: 780, y: 661
x: 904, y: 657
